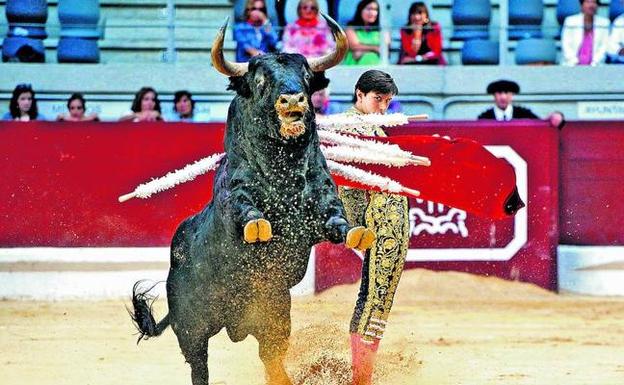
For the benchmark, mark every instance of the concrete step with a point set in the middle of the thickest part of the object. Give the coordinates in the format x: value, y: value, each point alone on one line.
x: 147, y: 29
x: 124, y: 51
x: 148, y: 9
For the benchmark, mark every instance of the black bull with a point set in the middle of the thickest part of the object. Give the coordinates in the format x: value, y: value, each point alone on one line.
x: 232, y: 264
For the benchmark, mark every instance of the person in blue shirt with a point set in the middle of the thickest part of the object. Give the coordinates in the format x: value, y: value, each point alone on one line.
x: 254, y: 36
x: 23, y: 105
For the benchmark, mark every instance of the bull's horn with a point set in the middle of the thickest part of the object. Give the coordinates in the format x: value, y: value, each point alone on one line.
x: 331, y: 59
x: 226, y: 67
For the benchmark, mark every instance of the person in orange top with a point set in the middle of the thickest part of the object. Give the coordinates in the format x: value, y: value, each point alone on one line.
x: 421, y: 38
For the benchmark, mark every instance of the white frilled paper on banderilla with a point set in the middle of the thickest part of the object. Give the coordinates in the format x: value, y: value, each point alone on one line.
x: 188, y: 173
x: 336, y: 148
x: 342, y: 122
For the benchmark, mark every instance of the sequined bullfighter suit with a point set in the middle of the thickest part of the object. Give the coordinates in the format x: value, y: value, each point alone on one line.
x: 232, y: 264
x: 387, y: 215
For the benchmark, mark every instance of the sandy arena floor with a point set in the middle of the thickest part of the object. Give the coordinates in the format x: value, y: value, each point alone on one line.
x: 446, y: 328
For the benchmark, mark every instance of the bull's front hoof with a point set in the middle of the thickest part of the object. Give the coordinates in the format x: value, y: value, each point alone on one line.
x: 257, y: 230
x: 360, y: 238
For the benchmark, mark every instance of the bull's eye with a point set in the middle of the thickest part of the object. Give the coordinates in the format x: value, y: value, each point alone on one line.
x: 259, y: 78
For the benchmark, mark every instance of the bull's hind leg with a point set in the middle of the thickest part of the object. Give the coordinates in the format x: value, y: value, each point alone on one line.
x: 272, y: 329
x: 195, y: 350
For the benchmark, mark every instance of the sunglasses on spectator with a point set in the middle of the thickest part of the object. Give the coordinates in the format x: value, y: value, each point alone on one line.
x: 257, y: 9
x: 309, y: 7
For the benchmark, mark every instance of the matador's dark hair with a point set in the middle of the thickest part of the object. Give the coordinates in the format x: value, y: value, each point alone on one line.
x: 377, y: 81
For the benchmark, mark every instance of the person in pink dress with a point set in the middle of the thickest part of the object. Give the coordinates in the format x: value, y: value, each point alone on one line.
x: 309, y: 35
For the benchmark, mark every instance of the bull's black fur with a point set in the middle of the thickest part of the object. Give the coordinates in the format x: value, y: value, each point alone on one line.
x: 216, y: 280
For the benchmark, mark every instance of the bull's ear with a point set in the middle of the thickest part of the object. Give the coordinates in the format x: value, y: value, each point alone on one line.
x: 318, y: 82
x: 240, y: 85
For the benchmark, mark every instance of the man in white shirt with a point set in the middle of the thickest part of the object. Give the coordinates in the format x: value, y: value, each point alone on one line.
x: 616, y: 40
x: 584, y: 36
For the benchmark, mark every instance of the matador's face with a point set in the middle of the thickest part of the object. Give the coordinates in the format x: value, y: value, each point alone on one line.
x: 372, y: 102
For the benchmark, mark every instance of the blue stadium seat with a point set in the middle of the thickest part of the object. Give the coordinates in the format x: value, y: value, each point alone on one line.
x: 616, y: 8
x: 31, y: 30
x: 27, y: 18
x: 79, y: 18
x: 525, y: 19
x: 79, y: 31
x: 566, y: 8
x: 23, y: 49
x: 471, y: 19
x: 536, y: 51
x: 77, y: 50
x: 479, y: 51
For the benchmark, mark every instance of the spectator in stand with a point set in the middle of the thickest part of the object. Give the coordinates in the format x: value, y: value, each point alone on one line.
x: 254, y: 36
x: 23, y: 105
x: 309, y: 35
x: 616, y: 40
x: 145, y: 107
x: 364, y: 35
x: 585, y: 36
x: 77, y: 107
x: 504, y: 110
x: 322, y: 103
x: 421, y: 38
x: 280, y: 8
x: 184, y: 108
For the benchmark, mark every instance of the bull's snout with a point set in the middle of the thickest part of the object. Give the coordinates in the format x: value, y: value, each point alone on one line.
x: 291, y: 100
x: 291, y: 109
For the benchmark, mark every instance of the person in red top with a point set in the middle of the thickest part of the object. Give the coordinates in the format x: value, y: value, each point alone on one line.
x: 421, y: 38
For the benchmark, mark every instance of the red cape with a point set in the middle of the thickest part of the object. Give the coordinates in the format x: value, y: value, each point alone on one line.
x: 463, y: 174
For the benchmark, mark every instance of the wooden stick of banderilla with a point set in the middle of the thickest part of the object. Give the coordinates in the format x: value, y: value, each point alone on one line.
x: 127, y: 197
x: 419, y: 117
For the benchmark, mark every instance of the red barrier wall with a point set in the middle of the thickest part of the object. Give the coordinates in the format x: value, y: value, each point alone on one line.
x: 61, y: 183
x: 592, y: 171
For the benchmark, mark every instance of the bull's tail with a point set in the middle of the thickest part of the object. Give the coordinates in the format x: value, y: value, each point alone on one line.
x: 141, y: 314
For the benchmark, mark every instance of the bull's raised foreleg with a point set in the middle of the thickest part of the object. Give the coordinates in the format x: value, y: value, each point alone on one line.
x: 329, y: 207
x: 358, y: 237
x: 243, y: 213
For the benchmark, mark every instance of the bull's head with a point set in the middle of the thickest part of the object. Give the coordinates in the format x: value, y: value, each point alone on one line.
x: 283, y: 82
